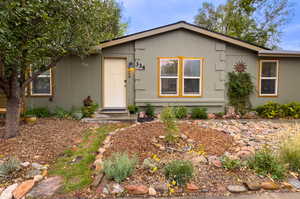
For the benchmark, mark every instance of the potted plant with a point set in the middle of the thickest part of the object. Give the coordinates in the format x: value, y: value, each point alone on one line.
x: 30, y: 119
x: 133, y: 109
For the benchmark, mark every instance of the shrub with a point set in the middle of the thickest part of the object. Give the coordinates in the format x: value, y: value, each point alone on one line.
x: 61, y: 113
x: 119, y: 166
x: 168, y: 118
x: 133, y: 109
x: 180, y: 112
x: 88, y: 111
x: 265, y: 163
x: 291, y: 110
x: 199, y: 113
x: 149, y: 110
x: 220, y: 114
x: 231, y: 164
x: 290, y: 153
x: 41, y: 112
x: 180, y: 171
x: 8, y: 167
x: 270, y: 110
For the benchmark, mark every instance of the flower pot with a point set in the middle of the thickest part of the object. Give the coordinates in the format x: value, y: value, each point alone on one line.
x: 30, y: 120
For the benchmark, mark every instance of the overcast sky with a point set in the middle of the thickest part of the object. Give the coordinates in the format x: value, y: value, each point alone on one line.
x: 145, y: 14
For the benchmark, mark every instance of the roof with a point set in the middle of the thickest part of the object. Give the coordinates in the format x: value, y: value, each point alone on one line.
x: 181, y: 25
x: 278, y: 53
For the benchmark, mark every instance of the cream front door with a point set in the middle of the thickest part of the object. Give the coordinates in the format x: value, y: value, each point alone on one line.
x: 114, y: 83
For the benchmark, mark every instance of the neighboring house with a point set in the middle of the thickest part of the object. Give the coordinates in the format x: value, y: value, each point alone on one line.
x: 177, y: 64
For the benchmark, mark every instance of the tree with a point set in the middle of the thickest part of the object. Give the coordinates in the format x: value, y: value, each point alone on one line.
x: 35, y: 35
x: 256, y: 21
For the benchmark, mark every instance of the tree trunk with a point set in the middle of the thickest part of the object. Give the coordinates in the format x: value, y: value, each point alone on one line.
x: 13, y: 110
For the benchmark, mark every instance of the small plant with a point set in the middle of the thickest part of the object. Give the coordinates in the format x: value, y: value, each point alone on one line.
x: 168, y: 118
x: 220, y: 114
x: 230, y: 164
x: 40, y: 112
x: 199, y: 113
x: 180, y: 171
x: 8, y: 167
x: 180, y: 112
x: 119, y: 167
x: 270, y: 110
x: 149, y: 110
x: 291, y: 110
x: 265, y: 163
x: 290, y: 153
x: 133, y: 109
x: 61, y: 113
x: 88, y: 111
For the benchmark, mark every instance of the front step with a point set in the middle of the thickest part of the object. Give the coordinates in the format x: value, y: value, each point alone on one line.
x: 112, y: 115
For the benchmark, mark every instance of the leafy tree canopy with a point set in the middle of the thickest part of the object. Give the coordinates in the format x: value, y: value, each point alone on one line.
x: 256, y: 21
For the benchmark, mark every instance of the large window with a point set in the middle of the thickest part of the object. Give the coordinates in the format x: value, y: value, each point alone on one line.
x: 42, y: 85
x: 180, y: 77
x: 268, y: 78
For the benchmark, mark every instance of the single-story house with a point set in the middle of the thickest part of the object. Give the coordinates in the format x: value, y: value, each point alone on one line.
x: 176, y: 64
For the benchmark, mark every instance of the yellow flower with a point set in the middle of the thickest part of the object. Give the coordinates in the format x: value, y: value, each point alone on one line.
x: 154, y: 156
x: 171, y: 191
x: 173, y: 182
x: 154, y: 169
x: 168, y: 185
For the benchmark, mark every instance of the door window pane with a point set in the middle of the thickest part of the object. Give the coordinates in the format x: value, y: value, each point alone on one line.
x: 191, y: 86
x: 168, y: 86
x: 268, y: 86
x: 191, y: 68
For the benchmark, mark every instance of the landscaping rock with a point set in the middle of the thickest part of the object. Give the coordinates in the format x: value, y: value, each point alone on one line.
x: 183, y: 136
x: 215, y: 161
x: 162, y: 188
x: 117, y: 189
x: 137, y: 189
x: 252, y: 186
x: 38, y: 178
x: 8, y: 192
x: 269, y: 186
x: 190, y: 141
x: 211, y: 116
x: 1, y: 190
x: 46, y: 188
x: 32, y: 173
x: 199, y: 159
x: 236, y: 188
x: 38, y: 166
x: 152, y: 191
x: 97, y: 179
x: 25, y: 164
x: 244, y: 155
x: 192, y: 187
x: 23, y: 189
x: 294, y: 182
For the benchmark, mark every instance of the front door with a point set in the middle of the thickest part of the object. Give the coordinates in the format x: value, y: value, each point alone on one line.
x: 114, y: 83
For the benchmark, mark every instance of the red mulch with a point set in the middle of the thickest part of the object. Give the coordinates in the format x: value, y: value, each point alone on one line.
x: 44, y: 141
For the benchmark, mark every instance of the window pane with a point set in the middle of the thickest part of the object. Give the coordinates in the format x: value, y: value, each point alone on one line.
x: 268, y: 86
x: 169, y: 67
x: 41, y: 85
x: 192, y: 68
x: 191, y: 86
x: 269, y: 69
x: 169, y: 86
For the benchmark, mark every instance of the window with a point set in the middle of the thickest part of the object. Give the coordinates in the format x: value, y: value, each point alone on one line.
x: 42, y: 85
x: 268, y: 78
x: 169, y: 76
x: 180, y: 77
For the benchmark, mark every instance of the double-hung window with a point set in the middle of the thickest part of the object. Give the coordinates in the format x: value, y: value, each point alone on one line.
x: 180, y: 77
x: 42, y: 85
x: 268, y: 85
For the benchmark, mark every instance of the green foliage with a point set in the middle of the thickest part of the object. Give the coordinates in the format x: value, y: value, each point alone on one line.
x: 270, y: 110
x: 61, y: 113
x: 240, y: 87
x: 41, y: 112
x: 133, y: 109
x: 8, y: 167
x: 265, y: 163
x: 180, y: 112
x: 231, y: 164
x: 168, y: 118
x: 199, y: 113
x: 149, y: 110
x: 291, y: 110
x: 119, y: 166
x: 220, y: 114
x: 88, y: 111
x: 180, y: 171
x: 290, y: 153
x: 238, y: 18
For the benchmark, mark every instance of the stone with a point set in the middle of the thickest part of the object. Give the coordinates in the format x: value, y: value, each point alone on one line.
x: 199, y: 160
x: 190, y: 141
x: 244, y: 155
x: 236, y: 188
x: 162, y: 148
x: 269, y: 186
x: 192, y: 187
x: 97, y: 179
x: 38, y: 166
x: 183, y: 136
x: 117, y: 189
x: 162, y: 188
x: 137, y: 189
x: 8, y: 192
x: 47, y: 187
x: 252, y: 186
x: 152, y: 191
x: 25, y: 164
x: 294, y: 182
x: 1, y: 190
x: 148, y: 163
x: 162, y: 137
x: 211, y: 116
x: 23, y: 189
x: 32, y: 173
x: 38, y: 178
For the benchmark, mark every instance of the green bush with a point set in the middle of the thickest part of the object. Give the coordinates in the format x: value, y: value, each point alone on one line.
x: 41, y: 112
x: 265, y: 163
x: 168, y: 118
x: 199, y: 113
x: 133, y: 109
x: 180, y: 171
x: 290, y: 153
x: 291, y: 110
x: 180, y: 112
x: 88, y: 111
x: 8, y: 167
x: 231, y: 164
x: 119, y: 166
x: 149, y: 110
x: 270, y: 110
x: 61, y: 113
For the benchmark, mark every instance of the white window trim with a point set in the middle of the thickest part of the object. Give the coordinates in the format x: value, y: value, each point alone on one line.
x: 42, y: 76
x: 187, y: 77
x: 275, y: 78
x: 169, y: 77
